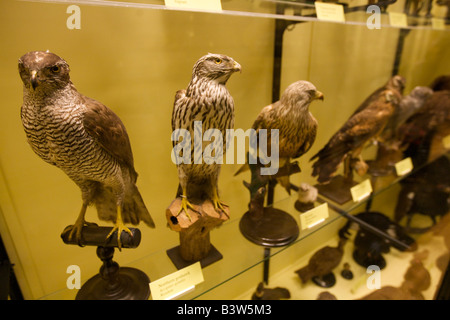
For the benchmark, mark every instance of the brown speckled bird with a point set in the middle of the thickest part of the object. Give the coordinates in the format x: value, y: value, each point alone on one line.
x: 322, y: 262
x: 83, y: 138
x: 364, y: 125
x: 408, y: 105
x: 205, y: 99
x: 296, y: 126
x: 434, y: 113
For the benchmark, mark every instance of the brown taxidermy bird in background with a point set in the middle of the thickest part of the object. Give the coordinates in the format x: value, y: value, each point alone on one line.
x: 322, y: 262
x: 364, y: 125
x: 296, y: 126
x: 83, y: 138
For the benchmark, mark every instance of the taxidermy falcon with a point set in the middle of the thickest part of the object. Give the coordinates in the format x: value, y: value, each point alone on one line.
x: 205, y: 99
x: 408, y: 105
x: 431, y: 121
x: 365, y: 124
x: 297, y: 126
x: 84, y: 139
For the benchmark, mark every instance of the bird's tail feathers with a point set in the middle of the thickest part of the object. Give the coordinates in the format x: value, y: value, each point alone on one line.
x: 243, y: 168
x: 304, y: 274
x: 134, y: 210
x: 138, y: 207
x: 328, y: 161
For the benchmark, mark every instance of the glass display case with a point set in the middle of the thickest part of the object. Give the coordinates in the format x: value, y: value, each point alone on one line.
x: 134, y: 55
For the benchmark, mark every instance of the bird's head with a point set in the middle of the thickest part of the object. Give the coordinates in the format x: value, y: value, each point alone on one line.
x: 301, y: 93
x: 397, y: 83
x: 421, y: 93
x: 216, y: 67
x: 43, y: 70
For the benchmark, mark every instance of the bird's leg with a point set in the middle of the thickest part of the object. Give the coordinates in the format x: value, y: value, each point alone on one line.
x: 79, y: 224
x: 361, y: 166
x: 119, y: 226
x: 185, y: 204
x: 218, y: 205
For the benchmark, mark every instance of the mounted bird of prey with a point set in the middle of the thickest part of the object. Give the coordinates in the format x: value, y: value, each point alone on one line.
x: 365, y: 124
x: 429, y: 123
x: 408, y: 105
x: 296, y: 126
x: 84, y: 139
x: 207, y: 100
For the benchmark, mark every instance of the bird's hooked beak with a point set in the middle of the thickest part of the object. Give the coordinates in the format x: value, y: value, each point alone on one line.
x: 33, y: 79
x: 318, y: 96
x: 236, y: 67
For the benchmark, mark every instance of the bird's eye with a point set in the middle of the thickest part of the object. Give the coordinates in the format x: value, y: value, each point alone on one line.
x: 55, y: 69
x: 218, y: 60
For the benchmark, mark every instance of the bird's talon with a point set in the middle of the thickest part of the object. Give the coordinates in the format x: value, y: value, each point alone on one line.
x: 185, y: 204
x: 220, y: 207
x: 119, y: 228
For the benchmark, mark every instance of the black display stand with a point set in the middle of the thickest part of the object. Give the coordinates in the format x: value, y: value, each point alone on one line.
x: 113, y: 282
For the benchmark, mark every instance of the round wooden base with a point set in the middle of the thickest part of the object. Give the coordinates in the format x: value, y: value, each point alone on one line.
x: 274, y: 228
x: 131, y: 284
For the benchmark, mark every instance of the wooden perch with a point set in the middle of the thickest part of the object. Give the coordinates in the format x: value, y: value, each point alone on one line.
x: 195, y: 232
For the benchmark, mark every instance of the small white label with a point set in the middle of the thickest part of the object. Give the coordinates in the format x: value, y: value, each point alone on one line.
x: 446, y: 142
x: 437, y: 24
x: 329, y: 11
x: 361, y: 190
x: 177, y: 283
x: 404, y: 166
x: 398, y: 19
x: 314, y: 216
x: 207, y: 5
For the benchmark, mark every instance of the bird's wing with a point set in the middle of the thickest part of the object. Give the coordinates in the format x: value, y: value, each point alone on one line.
x: 352, y: 136
x: 362, y: 126
x: 310, y: 137
x: 435, y: 111
x: 106, y: 128
x: 181, y: 94
x: 369, y: 100
x: 266, y: 119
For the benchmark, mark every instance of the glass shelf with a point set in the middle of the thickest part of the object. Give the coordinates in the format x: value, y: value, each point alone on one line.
x: 240, y: 256
x: 296, y: 11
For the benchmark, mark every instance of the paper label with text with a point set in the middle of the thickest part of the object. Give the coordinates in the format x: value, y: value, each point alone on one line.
x: 176, y: 283
x: 446, y: 142
x: 207, y: 5
x: 329, y: 11
x: 398, y: 19
x: 437, y: 24
x: 361, y: 190
x: 314, y: 216
x: 404, y: 166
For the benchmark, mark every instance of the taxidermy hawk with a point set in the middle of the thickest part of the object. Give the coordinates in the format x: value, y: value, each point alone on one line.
x: 84, y: 139
x: 206, y: 100
x: 364, y: 125
x: 296, y: 126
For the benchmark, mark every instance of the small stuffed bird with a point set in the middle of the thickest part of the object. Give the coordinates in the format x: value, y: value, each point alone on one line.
x: 207, y: 100
x: 364, y: 125
x: 322, y: 262
x: 296, y: 126
x: 84, y: 139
